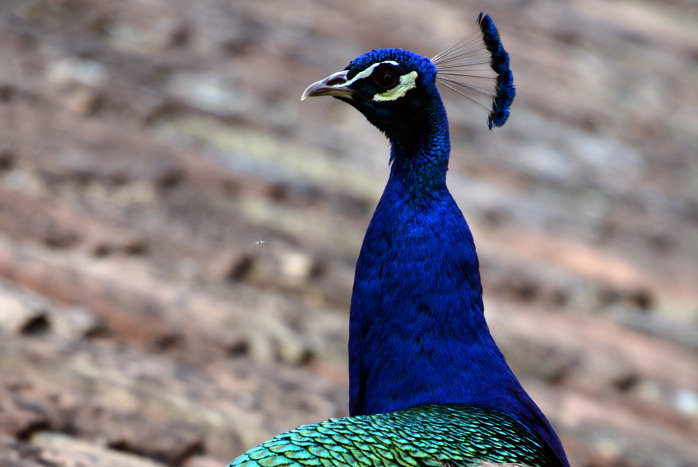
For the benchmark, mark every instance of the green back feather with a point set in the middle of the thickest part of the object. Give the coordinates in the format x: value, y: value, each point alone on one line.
x: 430, y: 435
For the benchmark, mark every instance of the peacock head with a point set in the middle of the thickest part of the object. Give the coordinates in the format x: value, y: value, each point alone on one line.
x: 389, y: 86
x: 396, y: 89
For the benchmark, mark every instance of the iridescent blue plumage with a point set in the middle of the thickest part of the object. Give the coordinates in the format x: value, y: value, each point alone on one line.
x: 428, y: 385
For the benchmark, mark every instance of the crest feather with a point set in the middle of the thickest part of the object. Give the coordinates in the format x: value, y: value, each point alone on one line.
x: 477, y: 68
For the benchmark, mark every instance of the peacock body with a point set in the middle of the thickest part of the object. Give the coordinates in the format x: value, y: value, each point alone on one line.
x: 428, y: 384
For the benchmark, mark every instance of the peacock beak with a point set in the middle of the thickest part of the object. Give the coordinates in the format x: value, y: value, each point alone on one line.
x: 336, y: 84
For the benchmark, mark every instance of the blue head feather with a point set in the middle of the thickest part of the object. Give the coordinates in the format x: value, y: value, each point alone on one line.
x: 397, y: 118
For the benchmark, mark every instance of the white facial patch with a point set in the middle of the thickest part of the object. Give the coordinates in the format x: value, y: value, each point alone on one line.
x: 407, y: 82
x: 366, y: 73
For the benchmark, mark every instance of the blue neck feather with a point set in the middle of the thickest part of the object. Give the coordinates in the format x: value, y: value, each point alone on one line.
x: 417, y: 329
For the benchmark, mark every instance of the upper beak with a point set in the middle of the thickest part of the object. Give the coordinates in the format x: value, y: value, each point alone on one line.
x: 334, y: 85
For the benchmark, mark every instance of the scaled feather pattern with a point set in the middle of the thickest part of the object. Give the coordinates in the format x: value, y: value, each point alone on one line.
x: 422, y: 436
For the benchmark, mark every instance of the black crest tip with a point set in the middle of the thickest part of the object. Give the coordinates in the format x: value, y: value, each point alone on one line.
x: 500, y: 64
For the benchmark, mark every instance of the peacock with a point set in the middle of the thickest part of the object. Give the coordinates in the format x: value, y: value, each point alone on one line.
x: 428, y: 386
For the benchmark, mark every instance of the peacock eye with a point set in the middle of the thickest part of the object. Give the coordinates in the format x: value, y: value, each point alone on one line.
x: 385, y: 77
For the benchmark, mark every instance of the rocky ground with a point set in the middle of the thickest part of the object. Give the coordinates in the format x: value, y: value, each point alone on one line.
x: 178, y: 231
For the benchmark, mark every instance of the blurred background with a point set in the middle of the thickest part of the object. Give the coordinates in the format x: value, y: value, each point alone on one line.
x: 178, y: 231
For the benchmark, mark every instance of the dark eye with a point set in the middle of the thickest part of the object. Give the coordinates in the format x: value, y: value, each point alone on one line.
x: 385, y: 77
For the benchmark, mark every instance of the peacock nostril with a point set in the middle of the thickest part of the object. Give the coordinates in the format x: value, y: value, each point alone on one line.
x: 336, y: 81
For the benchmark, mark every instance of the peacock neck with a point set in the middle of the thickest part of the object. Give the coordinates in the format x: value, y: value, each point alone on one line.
x: 417, y: 329
x: 416, y: 321
x: 419, y: 154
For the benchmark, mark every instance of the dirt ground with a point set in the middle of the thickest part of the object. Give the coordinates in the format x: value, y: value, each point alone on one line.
x: 178, y: 231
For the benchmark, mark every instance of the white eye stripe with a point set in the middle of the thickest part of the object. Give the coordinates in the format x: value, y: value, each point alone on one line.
x: 407, y: 82
x: 367, y: 72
